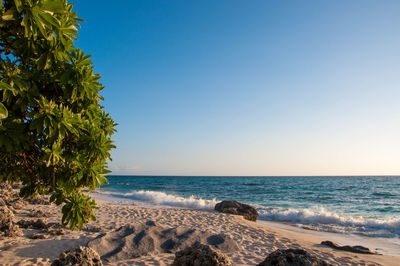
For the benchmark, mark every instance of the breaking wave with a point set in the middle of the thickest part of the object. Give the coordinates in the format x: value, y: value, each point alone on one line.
x: 164, y: 199
x: 319, y: 218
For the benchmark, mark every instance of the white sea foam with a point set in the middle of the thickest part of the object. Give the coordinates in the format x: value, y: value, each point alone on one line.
x: 164, y: 199
x: 331, y: 221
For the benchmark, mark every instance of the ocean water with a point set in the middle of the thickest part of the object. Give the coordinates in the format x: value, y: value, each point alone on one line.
x: 367, y: 205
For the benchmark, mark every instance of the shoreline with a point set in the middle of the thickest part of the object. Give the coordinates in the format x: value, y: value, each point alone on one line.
x: 332, y: 217
x: 255, y: 239
x: 381, y: 245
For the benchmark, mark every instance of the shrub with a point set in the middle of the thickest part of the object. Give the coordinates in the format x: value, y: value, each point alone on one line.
x: 55, y: 137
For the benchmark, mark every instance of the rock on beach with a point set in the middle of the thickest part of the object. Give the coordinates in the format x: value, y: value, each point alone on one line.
x: 237, y: 208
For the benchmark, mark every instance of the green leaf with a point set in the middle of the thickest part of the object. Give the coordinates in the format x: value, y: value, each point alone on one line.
x: 39, y: 23
x: 5, y: 86
x: 9, y: 15
x: 3, y: 111
x: 18, y: 5
x: 54, y: 6
x: 50, y: 19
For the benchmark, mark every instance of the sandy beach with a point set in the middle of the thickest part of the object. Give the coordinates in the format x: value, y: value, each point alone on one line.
x: 209, y: 133
x: 254, y: 240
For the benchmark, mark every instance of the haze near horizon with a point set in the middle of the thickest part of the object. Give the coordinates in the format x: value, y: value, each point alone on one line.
x: 249, y: 88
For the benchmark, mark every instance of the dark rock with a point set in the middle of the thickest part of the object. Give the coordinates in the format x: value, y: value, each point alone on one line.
x: 199, y: 255
x: 54, y: 229
x: 6, y: 193
x: 39, y: 214
x: 7, y: 225
x: 354, y: 249
x: 234, y: 207
x: 309, y: 228
x: 292, y: 257
x: 16, y: 185
x: 84, y: 256
x: 40, y: 200
x: 131, y: 241
x: 10, y: 197
x: 30, y: 224
x: 16, y: 203
x: 54, y: 225
x: 6, y: 216
x: 38, y: 236
x: 14, y: 194
x: 57, y: 232
x: 5, y: 186
x: 91, y: 228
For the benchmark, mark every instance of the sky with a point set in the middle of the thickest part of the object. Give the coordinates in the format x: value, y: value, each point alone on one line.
x: 263, y: 88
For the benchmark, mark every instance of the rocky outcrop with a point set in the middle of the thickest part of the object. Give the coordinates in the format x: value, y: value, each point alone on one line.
x: 54, y: 229
x: 57, y: 232
x: 91, y: 228
x: 354, y: 249
x: 7, y: 226
x: 10, y: 197
x: 292, y: 257
x: 9, y: 200
x: 16, y: 203
x: 40, y: 200
x: 16, y: 185
x: 39, y: 214
x: 5, y: 186
x: 199, y: 255
x: 237, y: 208
x: 83, y: 256
x: 132, y: 241
x: 31, y: 224
x: 38, y: 236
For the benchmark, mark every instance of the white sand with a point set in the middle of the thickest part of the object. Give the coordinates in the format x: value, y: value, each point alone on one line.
x: 255, y: 240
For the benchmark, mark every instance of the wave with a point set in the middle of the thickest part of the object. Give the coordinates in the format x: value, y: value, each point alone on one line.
x: 164, y: 199
x: 317, y: 218
x: 324, y: 220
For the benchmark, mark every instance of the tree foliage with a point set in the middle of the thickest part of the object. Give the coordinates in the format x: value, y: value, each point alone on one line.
x: 55, y: 137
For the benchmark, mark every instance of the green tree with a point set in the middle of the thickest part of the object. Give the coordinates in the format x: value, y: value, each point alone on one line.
x: 55, y: 136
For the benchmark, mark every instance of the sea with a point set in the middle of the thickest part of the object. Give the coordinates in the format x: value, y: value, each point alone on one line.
x: 361, y: 205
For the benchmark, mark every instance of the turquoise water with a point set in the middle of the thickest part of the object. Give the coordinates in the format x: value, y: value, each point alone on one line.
x: 360, y: 205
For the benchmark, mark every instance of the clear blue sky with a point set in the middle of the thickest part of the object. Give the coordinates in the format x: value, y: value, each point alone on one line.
x: 249, y: 87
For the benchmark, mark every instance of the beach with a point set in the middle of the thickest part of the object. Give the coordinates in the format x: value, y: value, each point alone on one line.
x: 254, y: 240
x: 199, y: 133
